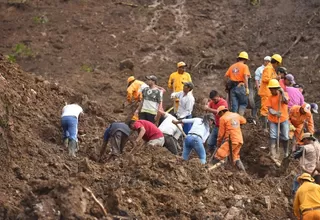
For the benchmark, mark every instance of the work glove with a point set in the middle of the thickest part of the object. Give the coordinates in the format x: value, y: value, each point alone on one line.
x: 292, y: 128
x: 247, y: 91
x: 298, y: 153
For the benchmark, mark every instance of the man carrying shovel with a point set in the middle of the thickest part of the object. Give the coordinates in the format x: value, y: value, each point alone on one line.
x: 278, y: 118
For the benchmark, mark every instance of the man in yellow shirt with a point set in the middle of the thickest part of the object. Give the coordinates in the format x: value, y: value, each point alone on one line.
x: 306, y: 203
x: 176, y: 81
x: 134, y: 89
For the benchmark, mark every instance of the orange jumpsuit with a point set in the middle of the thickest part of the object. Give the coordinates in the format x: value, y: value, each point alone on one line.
x: 297, y: 120
x: 264, y: 92
x: 133, y: 91
x: 230, y: 126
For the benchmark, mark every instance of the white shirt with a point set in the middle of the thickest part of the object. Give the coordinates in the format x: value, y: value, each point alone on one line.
x: 198, y: 128
x: 71, y: 110
x: 258, y: 73
x: 186, y: 103
x: 167, y: 127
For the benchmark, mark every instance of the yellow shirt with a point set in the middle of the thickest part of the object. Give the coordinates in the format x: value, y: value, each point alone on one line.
x: 177, y: 80
x: 307, y: 196
x: 134, y: 91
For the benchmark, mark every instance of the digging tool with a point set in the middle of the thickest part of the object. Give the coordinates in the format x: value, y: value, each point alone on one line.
x: 174, y: 100
x: 230, y: 150
x: 278, y: 136
x: 216, y: 165
x: 137, y: 147
x: 182, y: 132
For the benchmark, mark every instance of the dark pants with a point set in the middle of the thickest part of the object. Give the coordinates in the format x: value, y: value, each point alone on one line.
x: 257, y: 105
x: 118, y: 141
x: 171, y: 143
x: 147, y: 116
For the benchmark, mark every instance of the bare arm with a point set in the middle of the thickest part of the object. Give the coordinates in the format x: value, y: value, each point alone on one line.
x: 141, y: 133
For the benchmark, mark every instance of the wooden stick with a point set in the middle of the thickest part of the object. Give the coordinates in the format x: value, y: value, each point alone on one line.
x: 184, y: 134
x: 216, y: 165
x: 137, y: 147
x: 96, y: 200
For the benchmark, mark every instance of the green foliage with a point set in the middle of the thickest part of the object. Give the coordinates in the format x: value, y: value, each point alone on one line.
x: 19, y: 50
x: 87, y: 68
x: 40, y: 19
x: 11, y: 58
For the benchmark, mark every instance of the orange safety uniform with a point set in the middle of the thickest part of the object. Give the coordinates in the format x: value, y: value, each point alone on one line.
x: 264, y: 92
x: 297, y: 120
x: 238, y: 72
x: 230, y: 126
x: 176, y: 81
x: 273, y: 102
x: 133, y: 91
x: 307, y: 197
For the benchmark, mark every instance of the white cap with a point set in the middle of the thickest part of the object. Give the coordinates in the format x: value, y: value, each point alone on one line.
x: 267, y: 58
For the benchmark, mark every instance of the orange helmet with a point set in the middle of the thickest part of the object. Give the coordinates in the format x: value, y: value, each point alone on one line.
x: 221, y: 108
x: 130, y: 79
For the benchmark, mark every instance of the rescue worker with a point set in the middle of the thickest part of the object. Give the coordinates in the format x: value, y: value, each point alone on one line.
x: 148, y: 132
x: 257, y: 78
x: 282, y: 72
x: 134, y: 89
x: 237, y: 83
x: 176, y: 81
x: 308, y: 155
x: 118, y: 133
x: 306, y: 203
x: 229, y: 132
x: 276, y: 115
x: 268, y: 73
x: 69, y: 122
x: 215, y: 102
x: 198, y: 135
x: 314, y: 108
x: 151, y: 101
x: 295, y: 96
x: 186, y: 103
x: 170, y: 132
x: 300, y: 119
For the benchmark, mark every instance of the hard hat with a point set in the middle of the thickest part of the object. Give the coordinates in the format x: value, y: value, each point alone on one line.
x: 314, y: 108
x: 152, y: 77
x: 277, y: 58
x: 267, y: 58
x: 189, y: 84
x: 306, y: 176
x: 181, y: 64
x: 282, y: 69
x: 130, y: 79
x: 273, y: 83
x: 243, y: 55
x: 306, y: 107
x: 290, y: 78
x: 221, y: 108
x: 309, y: 136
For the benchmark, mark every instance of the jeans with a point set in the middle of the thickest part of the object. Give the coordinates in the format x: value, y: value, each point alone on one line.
x: 194, y: 142
x: 239, y: 99
x: 295, y: 185
x: 187, y: 126
x: 284, y: 130
x: 70, y: 127
x: 212, y: 140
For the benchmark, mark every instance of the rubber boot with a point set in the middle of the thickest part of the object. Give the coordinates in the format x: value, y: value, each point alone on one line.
x: 242, y: 111
x: 273, y: 151
x: 66, y: 142
x: 72, y: 148
x: 285, y: 145
x: 239, y: 164
x: 264, y: 120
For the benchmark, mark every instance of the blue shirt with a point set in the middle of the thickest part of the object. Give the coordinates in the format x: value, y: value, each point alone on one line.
x: 258, y: 73
x: 114, y: 127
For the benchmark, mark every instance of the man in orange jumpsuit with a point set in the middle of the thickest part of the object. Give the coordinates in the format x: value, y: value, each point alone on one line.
x: 299, y: 117
x: 134, y: 89
x: 268, y: 73
x: 229, y: 128
x: 278, y: 115
x: 306, y: 203
x: 176, y: 81
x: 237, y: 84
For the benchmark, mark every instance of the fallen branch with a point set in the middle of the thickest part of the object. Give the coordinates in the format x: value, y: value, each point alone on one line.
x: 67, y: 167
x: 292, y: 45
x: 127, y: 4
x: 96, y: 200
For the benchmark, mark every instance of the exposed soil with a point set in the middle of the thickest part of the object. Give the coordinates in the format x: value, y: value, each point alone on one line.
x: 83, y: 51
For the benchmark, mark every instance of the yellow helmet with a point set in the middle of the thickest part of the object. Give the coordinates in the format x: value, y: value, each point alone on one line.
x: 244, y: 55
x: 277, y: 58
x: 305, y: 176
x: 135, y: 117
x: 273, y: 83
x: 130, y: 79
x: 180, y: 64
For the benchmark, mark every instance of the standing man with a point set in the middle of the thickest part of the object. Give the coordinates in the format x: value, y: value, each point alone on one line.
x: 268, y: 73
x: 295, y: 96
x: 69, y: 122
x: 300, y: 118
x: 176, y: 81
x: 118, y: 132
x: 170, y: 132
x: 229, y: 132
x: 278, y: 115
x: 215, y: 102
x: 134, y: 89
x: 151, y: 101
x: 186, y: 103
x: 237, y: 85
x: 257, y: 78
x: 148, y: 132
x: 198, y: 135
x: 306, y: 203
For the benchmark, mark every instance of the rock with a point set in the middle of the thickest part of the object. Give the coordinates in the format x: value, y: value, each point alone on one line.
x: 231, y: 188
x: 268, y: 202
x: 233, y: 213
x: 201, y: 205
